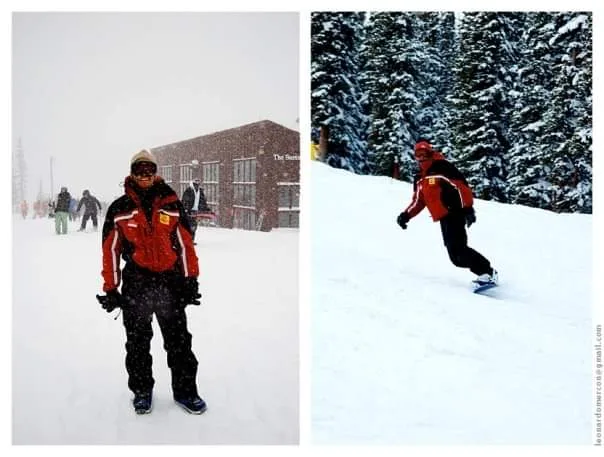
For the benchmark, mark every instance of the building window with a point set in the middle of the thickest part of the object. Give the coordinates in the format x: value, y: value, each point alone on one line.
x: 244, y: 218
x: 166, y: 173
x: 244, y: 193
x: 210, y: 173
x: 244, y: 171
x: 289, y: 219
x: 186, y: 175
x: 289, y: 204
x: 244, y: 182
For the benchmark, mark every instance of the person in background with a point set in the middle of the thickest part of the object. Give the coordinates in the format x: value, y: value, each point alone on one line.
x: 61, y: 211
x: 442, y: 188
x: 91, y: 204
x: 194, y: 202
x: 73, y: 205
x: 24, y: 208
x: 148, y: 228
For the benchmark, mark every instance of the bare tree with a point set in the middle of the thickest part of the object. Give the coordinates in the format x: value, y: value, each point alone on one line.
x: 19, y: 176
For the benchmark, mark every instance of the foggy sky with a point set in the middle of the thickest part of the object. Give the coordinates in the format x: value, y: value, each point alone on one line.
x: 91, y: 89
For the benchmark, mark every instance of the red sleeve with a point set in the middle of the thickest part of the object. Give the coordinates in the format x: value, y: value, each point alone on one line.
x: 112, y: 249
x: 418, y: 203
x: 188, y: 256
x: 465, y: 193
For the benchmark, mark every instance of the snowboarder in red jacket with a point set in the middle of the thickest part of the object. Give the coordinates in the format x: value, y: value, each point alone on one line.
x: 442, y: 188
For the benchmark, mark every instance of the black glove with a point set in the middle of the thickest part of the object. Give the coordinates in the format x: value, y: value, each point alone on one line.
x: 189, y: 292
x: 112, y: 300
x: 402, y: 220
x: 469, y: 215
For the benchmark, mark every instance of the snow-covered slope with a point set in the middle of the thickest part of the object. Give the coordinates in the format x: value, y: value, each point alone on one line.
x: 404, y: 353
x: 69, y: 380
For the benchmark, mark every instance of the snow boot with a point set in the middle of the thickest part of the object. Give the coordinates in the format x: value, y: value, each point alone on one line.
x: 192, y: 404
x: 486, y: 278
x: 142, y: 402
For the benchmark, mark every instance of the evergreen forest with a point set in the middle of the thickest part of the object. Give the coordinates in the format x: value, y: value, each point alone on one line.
x: 507, y: 98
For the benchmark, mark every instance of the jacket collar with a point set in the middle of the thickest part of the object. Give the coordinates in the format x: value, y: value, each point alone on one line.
x: 426, y: 164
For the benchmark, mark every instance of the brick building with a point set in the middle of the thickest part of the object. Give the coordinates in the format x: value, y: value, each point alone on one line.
x: 250, y: 174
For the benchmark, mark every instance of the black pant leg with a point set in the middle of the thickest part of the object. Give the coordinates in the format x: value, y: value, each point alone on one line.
x: 456, y: 240
x: 147, y: 295
x: 193, y: 224
x: 172, y: 321
x: 95, y: 222
x: 84, y: 220
x: 139, y: 291
x: 137, y: 322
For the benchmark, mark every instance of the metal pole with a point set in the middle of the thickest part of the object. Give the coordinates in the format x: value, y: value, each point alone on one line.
x: 51, y: 183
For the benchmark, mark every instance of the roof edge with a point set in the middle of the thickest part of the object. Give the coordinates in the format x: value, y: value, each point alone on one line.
x: 222, y: 132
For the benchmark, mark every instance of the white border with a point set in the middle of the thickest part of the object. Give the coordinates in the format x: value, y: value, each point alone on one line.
x: 305, y: 222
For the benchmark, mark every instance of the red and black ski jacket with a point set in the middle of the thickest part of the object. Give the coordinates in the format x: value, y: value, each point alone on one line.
x: 149, y: 229
x: 441, y: 187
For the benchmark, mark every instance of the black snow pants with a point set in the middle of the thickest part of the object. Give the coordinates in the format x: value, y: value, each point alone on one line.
x: 193, y: 224
x: 456, y: 240
x: 87, y: 216
x: 146, y: 294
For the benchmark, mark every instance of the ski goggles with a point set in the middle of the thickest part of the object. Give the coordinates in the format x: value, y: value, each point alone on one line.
x: 421, y: 155
x: 143, y: 169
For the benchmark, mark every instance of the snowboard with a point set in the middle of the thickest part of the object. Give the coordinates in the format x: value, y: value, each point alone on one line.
x: 478, y: 287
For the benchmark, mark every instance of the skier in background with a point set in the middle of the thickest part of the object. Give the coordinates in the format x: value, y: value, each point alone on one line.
x: 24, y: 209
x: 61, y: 211
x: 90, y: 203
x: 73, y: 212
x: 148, y: 227
x: 443, y: 189
x: 194, y: 202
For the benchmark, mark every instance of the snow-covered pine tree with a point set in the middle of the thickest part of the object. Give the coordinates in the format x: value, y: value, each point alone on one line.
x: 571, y: 99
x: 336, y: 96
x: 437, y: 33
x: 392, y: 60
x: 550, y: 159
x: 529, y: 160
x: 19, y: 176
x: 513, y: 27
x: 479, y: 98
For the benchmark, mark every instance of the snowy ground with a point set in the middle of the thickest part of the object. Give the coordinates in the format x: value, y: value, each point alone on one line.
x: 404, y: 353
x: 69, y: 380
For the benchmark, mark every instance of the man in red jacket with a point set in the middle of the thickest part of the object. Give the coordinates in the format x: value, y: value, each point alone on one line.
x: 148, y: 228
x: 441, y: 187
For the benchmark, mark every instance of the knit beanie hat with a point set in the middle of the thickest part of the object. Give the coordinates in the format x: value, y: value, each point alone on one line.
x: 143, y: 156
